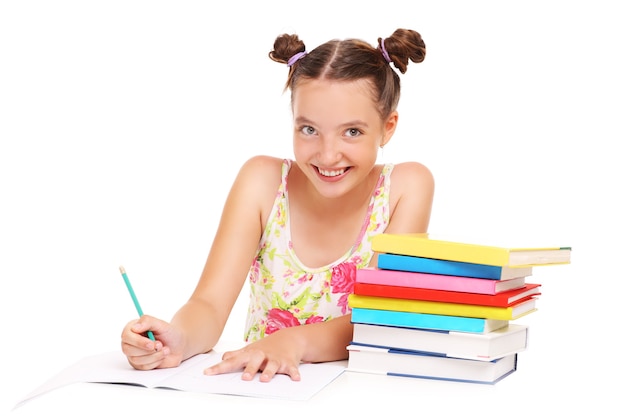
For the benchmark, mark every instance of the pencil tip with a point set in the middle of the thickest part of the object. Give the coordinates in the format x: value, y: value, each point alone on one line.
x: 122, y: 270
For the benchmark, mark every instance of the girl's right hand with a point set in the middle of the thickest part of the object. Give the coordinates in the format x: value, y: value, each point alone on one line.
x: 144, y: 354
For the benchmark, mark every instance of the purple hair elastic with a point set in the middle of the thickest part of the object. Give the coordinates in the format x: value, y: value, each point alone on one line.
x: 295, y: 58
x: 384, y: 51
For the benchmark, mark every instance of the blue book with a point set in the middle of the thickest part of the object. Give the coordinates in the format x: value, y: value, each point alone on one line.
x: 443, y: 267
x: 425, y: 321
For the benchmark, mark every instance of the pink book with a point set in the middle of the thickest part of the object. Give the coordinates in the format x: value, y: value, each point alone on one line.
x: 436, y: 282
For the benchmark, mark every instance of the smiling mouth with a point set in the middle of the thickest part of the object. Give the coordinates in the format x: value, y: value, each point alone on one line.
x: 331, y: 172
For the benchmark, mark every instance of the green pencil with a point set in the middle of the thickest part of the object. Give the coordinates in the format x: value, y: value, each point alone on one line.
x: 134, y: 297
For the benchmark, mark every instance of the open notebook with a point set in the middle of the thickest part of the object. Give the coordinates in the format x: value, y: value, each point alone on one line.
x: 112, y: 367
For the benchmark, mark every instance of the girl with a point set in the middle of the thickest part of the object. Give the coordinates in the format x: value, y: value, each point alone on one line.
x: 304, y: 224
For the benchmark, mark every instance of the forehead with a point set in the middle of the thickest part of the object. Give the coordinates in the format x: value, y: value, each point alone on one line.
x: 329, y: 99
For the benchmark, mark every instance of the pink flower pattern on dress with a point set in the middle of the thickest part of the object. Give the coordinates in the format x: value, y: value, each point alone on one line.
x: 343, y: 277
x: 314, y: 319
x: 342, y: 282
x: 279, y: 319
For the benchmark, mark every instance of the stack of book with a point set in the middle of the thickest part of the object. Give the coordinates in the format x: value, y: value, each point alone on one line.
x: 442, y: 309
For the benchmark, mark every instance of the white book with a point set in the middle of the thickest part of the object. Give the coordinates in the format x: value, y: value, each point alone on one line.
x: 420, y: 365
x: 477, y: 346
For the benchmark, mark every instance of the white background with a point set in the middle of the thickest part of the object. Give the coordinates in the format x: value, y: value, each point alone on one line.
x: 123, y: 124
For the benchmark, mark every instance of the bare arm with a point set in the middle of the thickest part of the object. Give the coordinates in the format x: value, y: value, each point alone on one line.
x: 204, y: 316
x: 198, y: 324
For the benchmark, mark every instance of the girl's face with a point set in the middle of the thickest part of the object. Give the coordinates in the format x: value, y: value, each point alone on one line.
x: 337, y: 133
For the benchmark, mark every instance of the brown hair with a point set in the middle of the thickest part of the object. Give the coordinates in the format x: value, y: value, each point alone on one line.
x: 353, y: 59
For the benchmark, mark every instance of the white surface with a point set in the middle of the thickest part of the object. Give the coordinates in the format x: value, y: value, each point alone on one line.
x: 353, y: 394
x: 123, y: 123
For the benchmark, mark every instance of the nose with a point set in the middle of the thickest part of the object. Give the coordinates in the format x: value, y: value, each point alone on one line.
x: 330, y: 150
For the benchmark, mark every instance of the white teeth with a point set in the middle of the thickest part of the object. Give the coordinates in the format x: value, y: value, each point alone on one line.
x: 333, y: 173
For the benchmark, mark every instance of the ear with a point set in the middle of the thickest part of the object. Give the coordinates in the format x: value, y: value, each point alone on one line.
x: 389, y: 127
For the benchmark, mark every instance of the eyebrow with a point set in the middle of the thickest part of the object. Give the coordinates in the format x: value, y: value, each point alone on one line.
x: 352, y: 123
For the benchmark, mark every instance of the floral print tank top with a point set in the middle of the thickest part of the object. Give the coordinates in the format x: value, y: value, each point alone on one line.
x: 283, y: 291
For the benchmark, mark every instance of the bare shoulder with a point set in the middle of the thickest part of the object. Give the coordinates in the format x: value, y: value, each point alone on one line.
x: 257, y: 183
x: 262, y: 165
x: 412, y: 175
x: 259, y: 175
x: 411, y: 197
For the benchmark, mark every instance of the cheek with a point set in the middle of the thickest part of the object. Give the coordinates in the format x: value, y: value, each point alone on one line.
x: 372, y: 159
x: 305, y: 146
x: 364, y: 158
x: 367, y: 153
x: 303, y: 153
x: 300, y: 147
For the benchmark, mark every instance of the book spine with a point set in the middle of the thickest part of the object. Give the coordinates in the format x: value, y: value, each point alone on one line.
x: 483, y: 347
x: 445, y: 296
x: 429, y: 307
x: 437, y: 266
x: 425, y: 280
x: 425, y: 365
x: 425, y: 321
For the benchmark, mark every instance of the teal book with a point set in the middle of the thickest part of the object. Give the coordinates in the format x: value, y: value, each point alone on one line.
x: 454, y: 268
x: 426, y: 321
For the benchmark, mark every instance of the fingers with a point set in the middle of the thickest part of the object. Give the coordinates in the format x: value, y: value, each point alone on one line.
x: 149, y: 361
x: 135, y: 340
x: 294, y: 373
x: 253, y: 362
x: 271, y: 368
x: 231, y: 362
x: 141, y: 352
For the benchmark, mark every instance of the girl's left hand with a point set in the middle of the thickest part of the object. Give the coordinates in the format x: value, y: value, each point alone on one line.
x: 278, y: 353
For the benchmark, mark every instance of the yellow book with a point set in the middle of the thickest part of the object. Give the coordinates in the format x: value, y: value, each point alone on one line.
x: 426, y: 245
x: 444, y: 309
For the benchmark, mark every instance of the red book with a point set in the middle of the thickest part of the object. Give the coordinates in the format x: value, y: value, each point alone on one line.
x: 504, y: 299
